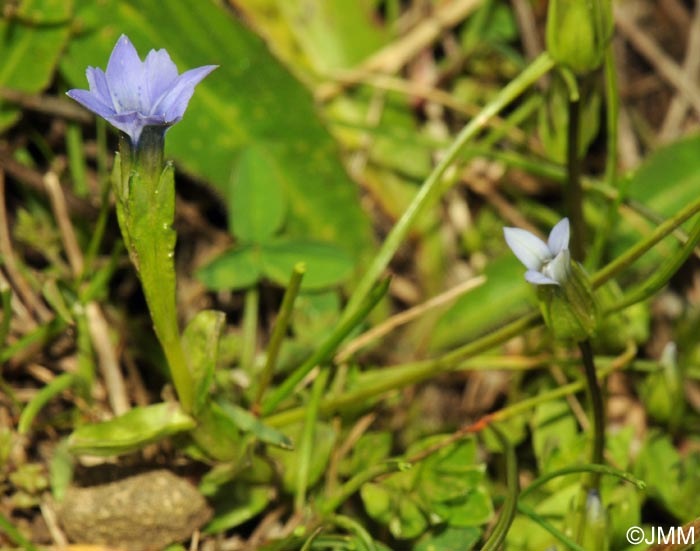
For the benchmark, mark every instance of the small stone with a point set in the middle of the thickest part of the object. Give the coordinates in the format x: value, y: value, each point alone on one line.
x: 145, y: 512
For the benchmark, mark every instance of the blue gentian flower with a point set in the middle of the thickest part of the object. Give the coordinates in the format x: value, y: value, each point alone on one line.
x: 547, y: 263
x: 133, y: 94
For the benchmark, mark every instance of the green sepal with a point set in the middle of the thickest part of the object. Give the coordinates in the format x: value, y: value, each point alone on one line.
x: 570, y: 310
x: 131, y: 431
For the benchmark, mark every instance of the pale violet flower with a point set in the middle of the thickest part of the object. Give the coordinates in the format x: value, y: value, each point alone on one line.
x: 547, y: 263
x: 133, y: 94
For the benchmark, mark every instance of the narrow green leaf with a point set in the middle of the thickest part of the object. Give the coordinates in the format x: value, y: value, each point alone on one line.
x: 131, y: 431
x: 200, y: 342
x: 248, y: 422
x: 55, y: 387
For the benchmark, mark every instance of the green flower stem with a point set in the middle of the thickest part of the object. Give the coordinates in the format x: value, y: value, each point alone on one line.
x: 500, y: 531
x: 577, y: 469
x: 412, y: 373
x: 661, y: 276
x: 664, y: 229
x: 612, y: 108
x: 250, y: 328
x: 15, y: 535
x: 306, y: 445
x: 279, y: 332
x: 538, y: 519
x: 6, y: 299
x: 597, y: 407
x: 352, y: 526
x: 145, y: 195
x: 420, y: 371
x: 574, y: 192
x: 431, y: 186
x: 326, y: 349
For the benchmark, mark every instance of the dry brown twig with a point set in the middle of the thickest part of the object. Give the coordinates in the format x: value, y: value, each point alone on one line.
x: 394, y: 56
x: 666, y: 67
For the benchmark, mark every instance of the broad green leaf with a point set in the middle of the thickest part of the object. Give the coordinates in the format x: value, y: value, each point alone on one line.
x: 334, y: 34
x: 670, y: 177
x: 131, y: 431
x: 410, y: 521
x: 200, y: 342
x: 378, y: 501
x: 326, y: 264
x: 217, y: 436
x: 505, y: 296
x: 30, y: 45
x: 237, y: 503
x: 449, y: 538
x: 554, y: 432
x: 248, y: 422
x: 324, y: 440
x: 666, y: 182
x: 250, y: 99
x: 473, y: 509
x: 236, y: 269
x: 256, y: 201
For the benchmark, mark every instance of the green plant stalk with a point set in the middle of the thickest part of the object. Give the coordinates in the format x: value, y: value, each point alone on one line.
x: 612, y: 113
x: 351, y: 525
x: 54, y: 388
x: 146, y: 201
x: 662, y: 275
x: 76, y: 159
x: 664, y: 229
x: 348, y: 489
x: 577, y: 469
x: 500, y: 531
x: 41, y: 334
x: 326, y: 349
x: 15, y: 535
x: 6, y: 299
x: 574, y: 192
x: 306, y: 445
x: 431, y: 186
x: 249, y: 331
x: 426, y: 369
x: 279, y: 331
x: 597, y: 408
x: 415, y: 372
x: 541, y: 521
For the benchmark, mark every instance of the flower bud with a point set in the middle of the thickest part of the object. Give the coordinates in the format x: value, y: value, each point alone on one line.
x: 578, y: 32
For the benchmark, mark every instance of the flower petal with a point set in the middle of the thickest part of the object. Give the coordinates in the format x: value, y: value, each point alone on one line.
x: 529, y: 249
x: 559, y: 268
x: 537, y: 278
x: 91, y: 102
x: 98, y: 85
x: 133, y: 123
x: 173, y: 103
x: 160, y: 75
x: 559, y: 237
x: 125, y: 77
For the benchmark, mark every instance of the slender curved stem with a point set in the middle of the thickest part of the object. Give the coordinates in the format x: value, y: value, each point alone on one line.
x: 431, y: 186
x: 597, y: 407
